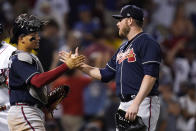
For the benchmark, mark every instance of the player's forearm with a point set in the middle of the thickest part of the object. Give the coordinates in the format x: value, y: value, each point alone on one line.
x: 91, y: 71
x: 39, y: 80
x: 146, y: 86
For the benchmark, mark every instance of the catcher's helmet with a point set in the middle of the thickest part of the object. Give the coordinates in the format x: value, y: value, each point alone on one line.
x: 26, y: 24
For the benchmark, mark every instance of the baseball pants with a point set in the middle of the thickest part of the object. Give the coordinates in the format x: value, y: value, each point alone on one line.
x: 26, y: 118
x: 149, y: 111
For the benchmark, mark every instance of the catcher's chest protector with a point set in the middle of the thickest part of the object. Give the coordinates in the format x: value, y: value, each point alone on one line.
x: 37, y: 93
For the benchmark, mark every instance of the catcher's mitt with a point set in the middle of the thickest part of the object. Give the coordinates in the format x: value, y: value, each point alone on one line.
x: 54, y: 98
x: 122, y: 124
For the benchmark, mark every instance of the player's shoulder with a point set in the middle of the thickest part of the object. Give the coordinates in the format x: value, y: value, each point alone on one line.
x: 25, y: 57
x: 148, y: 38
x: 19, y: 56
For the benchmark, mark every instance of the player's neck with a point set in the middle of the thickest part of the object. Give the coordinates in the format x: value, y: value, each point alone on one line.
x: 23, y: 48
x: 133, y: 32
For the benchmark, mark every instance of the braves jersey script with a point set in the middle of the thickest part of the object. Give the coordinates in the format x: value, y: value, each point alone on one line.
x: 5, y: 52
x: 134, y: 59
x: 20, y: 73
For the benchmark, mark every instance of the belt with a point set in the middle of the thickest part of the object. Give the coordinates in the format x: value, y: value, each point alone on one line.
x: 26, y: 104
x: 130, y: 97
x: 127, y: 98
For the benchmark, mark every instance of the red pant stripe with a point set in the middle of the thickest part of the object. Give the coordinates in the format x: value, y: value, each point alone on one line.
x: 26, y: 119
x: 150, y: 115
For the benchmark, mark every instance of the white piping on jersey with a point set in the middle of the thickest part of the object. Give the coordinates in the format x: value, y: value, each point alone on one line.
x: 151, y: 62
x: 31, y: 76
x: 121, y: 82
x: 111, y: 67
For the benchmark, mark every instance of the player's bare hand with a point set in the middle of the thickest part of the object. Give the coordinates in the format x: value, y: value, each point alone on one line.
x: 67, y: 53
x: 76, y: 51
x: 132, y: 111
x: 70, y: 60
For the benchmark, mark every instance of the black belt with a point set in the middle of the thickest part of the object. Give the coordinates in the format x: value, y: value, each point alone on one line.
x: 129, y: 97
x: 26, y: 104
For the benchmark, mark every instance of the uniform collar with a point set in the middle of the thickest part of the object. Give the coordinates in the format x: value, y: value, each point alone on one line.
x: 129, y: 41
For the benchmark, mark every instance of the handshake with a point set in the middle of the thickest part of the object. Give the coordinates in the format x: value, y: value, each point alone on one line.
x: 72, y: 60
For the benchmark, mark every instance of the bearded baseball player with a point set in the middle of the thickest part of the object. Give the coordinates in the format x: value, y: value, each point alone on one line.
x: 135, y: 68
x: 27, y: 82
x: 5, y: 52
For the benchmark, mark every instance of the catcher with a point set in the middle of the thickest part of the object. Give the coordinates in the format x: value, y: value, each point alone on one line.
x: 27, y: 81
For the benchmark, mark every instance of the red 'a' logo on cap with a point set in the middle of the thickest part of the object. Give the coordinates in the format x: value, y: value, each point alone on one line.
x: 131, y: 56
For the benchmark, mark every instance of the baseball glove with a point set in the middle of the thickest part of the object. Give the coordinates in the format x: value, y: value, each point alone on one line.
x: 122, y: 124
x: 54, y: 98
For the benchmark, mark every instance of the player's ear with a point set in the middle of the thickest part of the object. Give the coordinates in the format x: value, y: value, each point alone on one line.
x: 21, y: 39
x: 130, y: 21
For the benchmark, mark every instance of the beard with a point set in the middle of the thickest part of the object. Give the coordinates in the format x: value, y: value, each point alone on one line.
x: 124, y: 32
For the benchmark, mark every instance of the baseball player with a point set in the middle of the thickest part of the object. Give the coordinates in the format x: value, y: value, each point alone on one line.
x: 135, y: 67
x: 5, y: 52
x: 27, y: 81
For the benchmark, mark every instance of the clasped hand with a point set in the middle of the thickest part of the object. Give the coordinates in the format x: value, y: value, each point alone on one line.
x: 72, y: 60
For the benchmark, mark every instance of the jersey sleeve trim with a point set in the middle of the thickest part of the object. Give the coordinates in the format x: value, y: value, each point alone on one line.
x: 147, y: 62
x: 111, y: 67
x: 31, y: 76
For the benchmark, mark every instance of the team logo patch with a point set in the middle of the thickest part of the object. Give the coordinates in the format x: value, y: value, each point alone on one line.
x: 129, y: 55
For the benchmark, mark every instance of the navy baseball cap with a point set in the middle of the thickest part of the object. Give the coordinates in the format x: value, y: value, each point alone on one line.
x: 128, y: 11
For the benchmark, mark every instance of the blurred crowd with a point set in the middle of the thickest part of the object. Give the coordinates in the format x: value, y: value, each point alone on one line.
x: 88, y: 24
